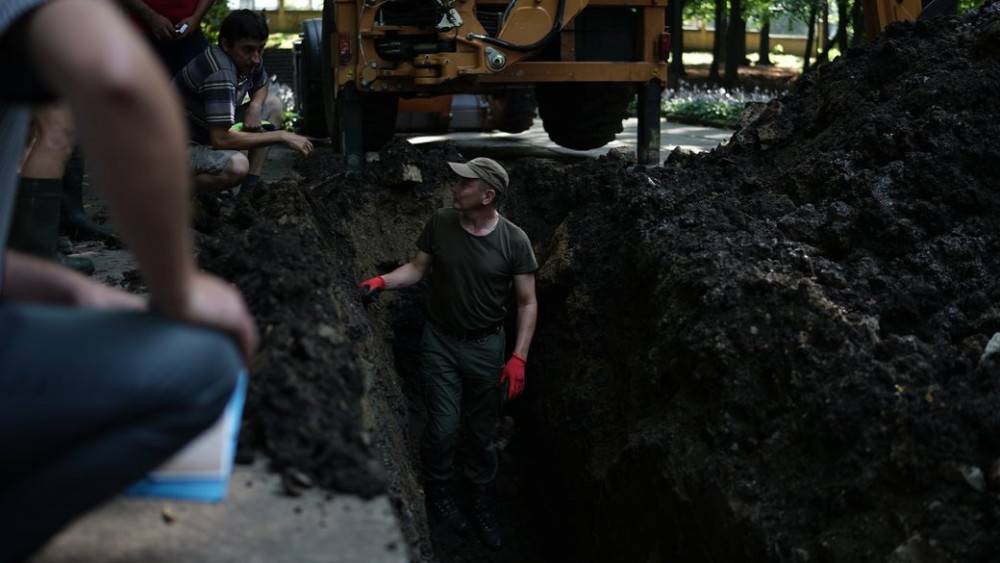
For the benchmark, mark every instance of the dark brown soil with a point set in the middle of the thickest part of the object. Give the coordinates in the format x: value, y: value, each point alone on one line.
x: 772, y: 352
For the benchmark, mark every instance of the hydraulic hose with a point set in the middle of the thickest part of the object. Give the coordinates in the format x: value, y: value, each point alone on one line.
x: 556, y: 27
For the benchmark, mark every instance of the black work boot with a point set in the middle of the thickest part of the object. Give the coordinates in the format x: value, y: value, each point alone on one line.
x: 443, y: 507
x: 74, y: 221
x: 34, y: 228
x: 484, y: 517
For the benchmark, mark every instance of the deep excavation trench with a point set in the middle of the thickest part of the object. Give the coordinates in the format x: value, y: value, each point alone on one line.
x: 777, y: 351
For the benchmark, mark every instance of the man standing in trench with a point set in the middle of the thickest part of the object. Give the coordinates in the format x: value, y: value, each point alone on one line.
x: 474, y: 255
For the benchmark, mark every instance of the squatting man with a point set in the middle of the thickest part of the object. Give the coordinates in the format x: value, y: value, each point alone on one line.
x: 213, y: 86
x: 474, y: 255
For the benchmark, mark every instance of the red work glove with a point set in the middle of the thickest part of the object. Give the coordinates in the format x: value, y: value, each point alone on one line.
x: 370, y: 288
x: 513, y: 374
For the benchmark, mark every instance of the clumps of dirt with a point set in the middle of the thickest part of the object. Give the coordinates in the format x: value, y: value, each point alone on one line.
x: 305, y: 402
x: 778, y: 351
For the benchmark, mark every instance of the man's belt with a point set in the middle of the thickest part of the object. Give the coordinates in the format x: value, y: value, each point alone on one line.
x: 470, y: 335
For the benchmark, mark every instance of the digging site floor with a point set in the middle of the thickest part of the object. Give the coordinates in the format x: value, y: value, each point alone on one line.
x: 781, y: 350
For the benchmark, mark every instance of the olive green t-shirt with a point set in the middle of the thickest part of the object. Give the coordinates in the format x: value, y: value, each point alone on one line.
x: 472, y: 276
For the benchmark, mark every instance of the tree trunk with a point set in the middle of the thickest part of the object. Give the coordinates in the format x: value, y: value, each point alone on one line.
x: 675, y: 18
x: 829, y: 43
x: 735, y: 42
x: 764, y: 51
x: 843, y: 17
x: 824, y: 30
x: 718, y: 50
x: 741, y: 45
x: 839, y: 38
x: 810, y: 37
x: 857, y: 24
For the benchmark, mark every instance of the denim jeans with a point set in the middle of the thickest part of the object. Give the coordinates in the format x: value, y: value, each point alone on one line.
x: 90, y: 402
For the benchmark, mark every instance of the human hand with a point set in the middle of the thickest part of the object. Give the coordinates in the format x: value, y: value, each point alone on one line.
x: 213, y: 303
x: 160, y: 27
x: 371, y: 288
x: 192, y: 24
x: 513, y: 374
x: 298, y: 142
x: 94, y: 295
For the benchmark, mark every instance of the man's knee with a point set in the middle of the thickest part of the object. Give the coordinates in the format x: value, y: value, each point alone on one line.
x: 83, y: 69
x: 441, y: 432
x: 236, y: 169
x: 204, y: 371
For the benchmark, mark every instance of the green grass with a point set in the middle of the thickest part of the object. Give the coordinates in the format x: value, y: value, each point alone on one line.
x: 700, y: 58
x: 709, y: 112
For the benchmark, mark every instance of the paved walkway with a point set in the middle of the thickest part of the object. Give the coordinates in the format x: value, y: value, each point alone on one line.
x: 535, y: 141
x: 256, y: 524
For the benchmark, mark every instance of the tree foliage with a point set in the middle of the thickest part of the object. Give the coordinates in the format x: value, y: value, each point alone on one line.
x: 212, y: 21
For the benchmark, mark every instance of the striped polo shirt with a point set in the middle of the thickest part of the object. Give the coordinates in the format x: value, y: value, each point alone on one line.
x: 212, y: 88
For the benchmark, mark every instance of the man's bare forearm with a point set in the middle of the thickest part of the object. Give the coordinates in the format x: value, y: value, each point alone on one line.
x: 139, y: 8
x: 403, y: 276
x: 240, y: 140
x: 527, y: 316
x: 258, y: 99
x: 201, y: 8
x: 32, y: 279
x: 252, y: 117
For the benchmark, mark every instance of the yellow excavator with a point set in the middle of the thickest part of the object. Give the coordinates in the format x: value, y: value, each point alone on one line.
x: 580, y: 62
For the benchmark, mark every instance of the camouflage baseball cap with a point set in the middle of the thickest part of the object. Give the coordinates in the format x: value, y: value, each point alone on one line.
x: 485, y: 169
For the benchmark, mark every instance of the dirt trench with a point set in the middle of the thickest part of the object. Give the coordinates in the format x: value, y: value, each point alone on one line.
x: 778, y: 351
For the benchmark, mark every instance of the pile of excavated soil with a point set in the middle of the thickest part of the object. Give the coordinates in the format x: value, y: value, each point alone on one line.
x: 773, y: 352
x: 325, y: 403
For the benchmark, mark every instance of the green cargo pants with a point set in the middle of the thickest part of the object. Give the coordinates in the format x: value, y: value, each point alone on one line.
x: 461, y: 378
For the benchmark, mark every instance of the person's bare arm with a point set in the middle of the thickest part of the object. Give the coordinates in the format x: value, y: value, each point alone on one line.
x: 194, y: 20
x: 409, y: 273
x: 224, y: 138
x: 527, y: 313
x: 252, y: 117
x: 131, y: 126
x: 158, y: 25
x: 27, y: 278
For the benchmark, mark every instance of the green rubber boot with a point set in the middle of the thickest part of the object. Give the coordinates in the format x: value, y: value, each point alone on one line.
x: 74, y: 221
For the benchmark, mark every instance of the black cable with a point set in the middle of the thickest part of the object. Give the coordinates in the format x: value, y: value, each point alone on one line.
x: 556, y: 27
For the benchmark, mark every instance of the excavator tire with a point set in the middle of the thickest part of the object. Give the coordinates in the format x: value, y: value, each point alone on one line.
x: 378, y: 110
x: 516, y: 109
x: 583, y: 115
x: 309, y: 82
